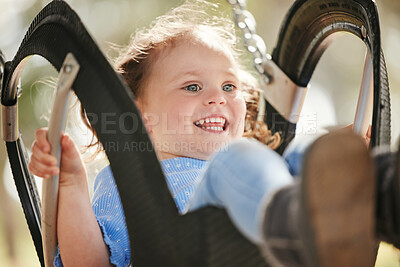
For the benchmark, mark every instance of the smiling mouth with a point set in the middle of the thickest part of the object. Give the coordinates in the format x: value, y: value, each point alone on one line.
x: 216, y: 124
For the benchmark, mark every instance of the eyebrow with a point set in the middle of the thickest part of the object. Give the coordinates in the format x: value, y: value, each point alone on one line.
x: 187, y: 73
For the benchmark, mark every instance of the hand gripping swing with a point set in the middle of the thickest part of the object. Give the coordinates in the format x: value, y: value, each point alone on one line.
x: 67, y: 75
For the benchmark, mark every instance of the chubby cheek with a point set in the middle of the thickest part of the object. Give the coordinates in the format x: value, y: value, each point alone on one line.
x: 171, y: 122
x: 238, y: 129
x: 238, y: 119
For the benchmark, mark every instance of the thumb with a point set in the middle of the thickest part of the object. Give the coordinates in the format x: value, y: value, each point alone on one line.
x: 68, y: 147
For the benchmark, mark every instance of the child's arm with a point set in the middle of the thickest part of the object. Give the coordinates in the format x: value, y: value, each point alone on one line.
x: 79, y: 236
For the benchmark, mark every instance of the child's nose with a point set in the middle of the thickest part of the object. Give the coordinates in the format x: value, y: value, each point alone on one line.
x: 215, y: 97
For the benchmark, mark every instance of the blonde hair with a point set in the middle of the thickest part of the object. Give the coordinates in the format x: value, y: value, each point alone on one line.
x: 190, y: 21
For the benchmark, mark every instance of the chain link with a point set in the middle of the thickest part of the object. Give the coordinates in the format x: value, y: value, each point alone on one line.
x: 252, y: 41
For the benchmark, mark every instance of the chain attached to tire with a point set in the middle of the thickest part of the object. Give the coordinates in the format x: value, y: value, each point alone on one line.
x: 252, y: 41
x: 278, y: 89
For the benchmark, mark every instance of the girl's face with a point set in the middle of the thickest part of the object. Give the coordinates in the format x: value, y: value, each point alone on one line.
x: 192, y: 104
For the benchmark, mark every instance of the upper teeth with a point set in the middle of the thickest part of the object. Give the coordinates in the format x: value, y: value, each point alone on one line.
x: 207, y: 120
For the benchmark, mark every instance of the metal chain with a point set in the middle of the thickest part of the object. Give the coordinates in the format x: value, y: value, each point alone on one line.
x: 252, y: 41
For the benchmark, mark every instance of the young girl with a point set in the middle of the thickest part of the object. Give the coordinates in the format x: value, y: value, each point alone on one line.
x: 195, y: 99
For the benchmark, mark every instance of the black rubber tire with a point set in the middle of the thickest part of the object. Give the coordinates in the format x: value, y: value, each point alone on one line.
x: 27, y: 192
x: 307, y: 31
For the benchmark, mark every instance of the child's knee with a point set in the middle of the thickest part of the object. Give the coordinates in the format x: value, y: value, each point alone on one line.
x: 253, y: 162
x: 249, y: 148
x: 248, y: 153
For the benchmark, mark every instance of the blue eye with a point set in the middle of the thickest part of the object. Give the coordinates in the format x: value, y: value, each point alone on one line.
x: 192, y: 88
x: 228, y: 87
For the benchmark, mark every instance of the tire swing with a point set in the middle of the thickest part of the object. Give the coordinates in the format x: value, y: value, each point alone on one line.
x: 308, y: 29
x: 159, y: 236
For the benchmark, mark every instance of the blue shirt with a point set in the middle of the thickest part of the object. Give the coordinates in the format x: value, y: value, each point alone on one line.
x: 182, y: 176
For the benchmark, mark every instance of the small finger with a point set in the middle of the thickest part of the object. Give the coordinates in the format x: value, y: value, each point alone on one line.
x: 36, y: 170
x: 43, y: 168
x: 68, y: 146
x: 43, y: 156
x: 369, y: 131
x: 41, y: 165
x: 41, y: 139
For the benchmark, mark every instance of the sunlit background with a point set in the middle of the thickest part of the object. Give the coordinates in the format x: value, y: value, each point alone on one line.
x: 331, y: 100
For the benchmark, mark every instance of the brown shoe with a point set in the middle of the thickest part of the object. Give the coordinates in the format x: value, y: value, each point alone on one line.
x: 327, y: 220
x: 338, y: 201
